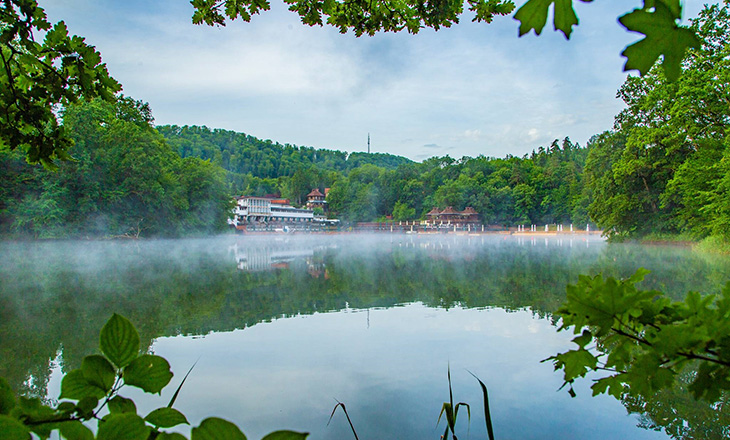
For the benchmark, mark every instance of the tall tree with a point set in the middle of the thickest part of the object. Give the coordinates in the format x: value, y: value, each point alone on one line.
x: 668, y: 176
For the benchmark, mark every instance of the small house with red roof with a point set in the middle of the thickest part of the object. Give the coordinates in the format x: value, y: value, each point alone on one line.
x: 452, y: 216
x: 315, y: 199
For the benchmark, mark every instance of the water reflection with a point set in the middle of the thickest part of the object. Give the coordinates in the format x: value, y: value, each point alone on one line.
x: 431, y: 300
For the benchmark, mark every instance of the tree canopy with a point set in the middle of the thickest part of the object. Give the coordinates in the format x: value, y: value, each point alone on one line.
x: 665, y: 168
x: 37, y: 79
x: 125, y: 180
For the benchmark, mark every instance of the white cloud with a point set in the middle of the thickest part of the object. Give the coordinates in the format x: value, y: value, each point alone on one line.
x: 475, y: 134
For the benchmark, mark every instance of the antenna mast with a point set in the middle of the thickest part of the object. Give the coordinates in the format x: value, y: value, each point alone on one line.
x: 368, y: 143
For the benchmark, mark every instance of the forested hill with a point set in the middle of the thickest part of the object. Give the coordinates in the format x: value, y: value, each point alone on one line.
x: 244, y: 154
x: 545, y: 187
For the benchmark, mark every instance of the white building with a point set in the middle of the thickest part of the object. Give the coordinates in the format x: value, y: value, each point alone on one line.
x: 251, y: 210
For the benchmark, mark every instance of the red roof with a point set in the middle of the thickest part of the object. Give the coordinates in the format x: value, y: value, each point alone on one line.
x: 434, y: 211
x: 468, y: 211
x: 280, y: 201
x: 315, y: 193
x: 449, y: 211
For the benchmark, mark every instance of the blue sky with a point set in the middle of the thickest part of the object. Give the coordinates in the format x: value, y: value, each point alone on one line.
x: 469, y: 90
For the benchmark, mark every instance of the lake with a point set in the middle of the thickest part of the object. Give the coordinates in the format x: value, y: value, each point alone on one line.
x: 282, y: 327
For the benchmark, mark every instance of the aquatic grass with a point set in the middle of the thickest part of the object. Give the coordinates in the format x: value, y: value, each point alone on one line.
x: 340, y: 404
x: 451, y: 412
x: 487, y: 414
x: 179, y: 387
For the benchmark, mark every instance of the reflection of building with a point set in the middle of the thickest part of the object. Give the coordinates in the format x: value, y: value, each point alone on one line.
x: 452, y: 217
x: 260, y: 258
x: 316, y: 268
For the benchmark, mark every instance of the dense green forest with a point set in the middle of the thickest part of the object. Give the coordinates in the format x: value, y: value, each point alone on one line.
x: 124, y: 180
x: 663, y: 169
x: 544, y: 187
x: 261, y: 167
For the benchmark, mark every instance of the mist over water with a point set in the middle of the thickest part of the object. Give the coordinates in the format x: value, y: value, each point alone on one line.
x: 283, y: 325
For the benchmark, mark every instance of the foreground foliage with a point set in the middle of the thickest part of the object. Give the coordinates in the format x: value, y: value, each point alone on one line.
x: 644, y: 340
x: 37, y: 78
x: 666, y: 168
x: 94, y: 389
x: 655, y: 19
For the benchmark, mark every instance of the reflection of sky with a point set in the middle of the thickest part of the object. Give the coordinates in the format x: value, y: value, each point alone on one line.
x: 389, y: 368
x: 264, y: 255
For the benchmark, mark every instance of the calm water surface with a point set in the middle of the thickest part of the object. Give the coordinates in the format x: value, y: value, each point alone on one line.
x: 281, y: 326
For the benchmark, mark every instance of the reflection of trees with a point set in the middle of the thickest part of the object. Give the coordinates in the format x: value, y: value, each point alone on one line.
x: 57, y: 296
x: 681, y: 416
x: 674, y: 270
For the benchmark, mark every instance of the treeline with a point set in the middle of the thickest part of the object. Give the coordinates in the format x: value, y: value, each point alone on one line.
x: 665, y: 169
x: 545, y: 187
x: 123, y: 179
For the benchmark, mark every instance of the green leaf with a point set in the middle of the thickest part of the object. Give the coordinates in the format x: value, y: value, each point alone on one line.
x: 119, y: 405
x: 638, y: 276
x: 663, y: 37
x: 533, y: 15
x: 75, y: 386
x: 75, y: 430
x: 166, y: 418
x: 12, y: 429
x: 98, y: 372
x: 215, y: 429
x: 576, y: 363
x: 86, y: 405
x: 42, y: 430
x: 286, y: 435
x: 611, y: 384
x: 583, y: 339
x: 30, y: 405
x: 66, y: 407
x: 149, y: 372
x: 171, y: 436
x: 123, y: 427
x: 119, y: 341
x: 674, y: 6
x: 7, y: 397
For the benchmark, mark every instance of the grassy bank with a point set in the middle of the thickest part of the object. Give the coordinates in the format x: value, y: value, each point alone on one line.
x: 714, y: 245
x: 710, y: 245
